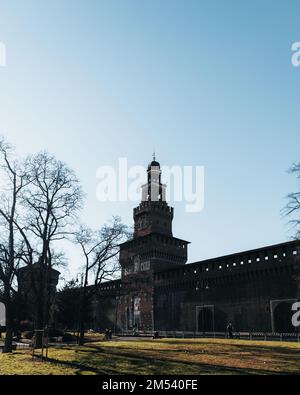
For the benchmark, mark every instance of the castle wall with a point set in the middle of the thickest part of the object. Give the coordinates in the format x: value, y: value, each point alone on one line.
x: 244, y: 289
x: 253, y: 290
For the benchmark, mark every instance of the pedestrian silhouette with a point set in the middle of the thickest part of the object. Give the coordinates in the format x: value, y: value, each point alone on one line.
x: 230, y: 330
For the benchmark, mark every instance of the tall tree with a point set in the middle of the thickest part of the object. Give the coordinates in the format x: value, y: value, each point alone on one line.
x: 52, y: 203
x: 100, y: 249
x: 13, y: 180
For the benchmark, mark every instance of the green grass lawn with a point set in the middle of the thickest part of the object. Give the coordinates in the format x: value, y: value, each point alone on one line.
x: 165, y: 356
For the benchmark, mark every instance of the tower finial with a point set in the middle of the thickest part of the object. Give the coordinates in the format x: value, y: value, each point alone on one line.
x: 153, y: 155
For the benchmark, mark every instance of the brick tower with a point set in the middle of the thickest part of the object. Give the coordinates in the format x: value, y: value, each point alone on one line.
x: 152, y: 248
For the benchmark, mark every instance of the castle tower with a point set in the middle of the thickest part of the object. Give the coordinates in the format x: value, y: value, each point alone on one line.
x: 153, y: 214
x: 153, y: 245
x: 152, y: 248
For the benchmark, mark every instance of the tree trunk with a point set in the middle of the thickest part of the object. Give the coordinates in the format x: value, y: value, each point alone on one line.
x: 81, y: 335
x: 39, y: 321
x: 41, y: 302
x: 82, y: 316
x: 9, y: 327
x: 81, y: 322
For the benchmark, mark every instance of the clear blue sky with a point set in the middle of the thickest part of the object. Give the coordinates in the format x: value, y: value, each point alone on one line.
x: 204, y: 82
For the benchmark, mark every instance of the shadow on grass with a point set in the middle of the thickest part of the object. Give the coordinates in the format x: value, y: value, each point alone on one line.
x: 285, y: 353
x: 97, y: 360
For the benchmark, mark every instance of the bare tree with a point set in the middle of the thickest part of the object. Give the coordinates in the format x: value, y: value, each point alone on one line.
x: 52, y: 203
x: 100, y: 250
x: 40, y: 199
x: 13, y: 181
x: 292, y: 208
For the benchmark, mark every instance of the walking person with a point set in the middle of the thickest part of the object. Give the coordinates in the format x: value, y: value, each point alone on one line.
x: 230, y: 330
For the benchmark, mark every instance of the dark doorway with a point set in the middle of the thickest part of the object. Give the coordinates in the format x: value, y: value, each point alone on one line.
x: 282, y: 315
x: 205, y: 319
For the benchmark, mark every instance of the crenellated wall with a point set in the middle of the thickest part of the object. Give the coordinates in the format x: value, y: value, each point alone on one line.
x: 244, y: 289
x: 254, y: 290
